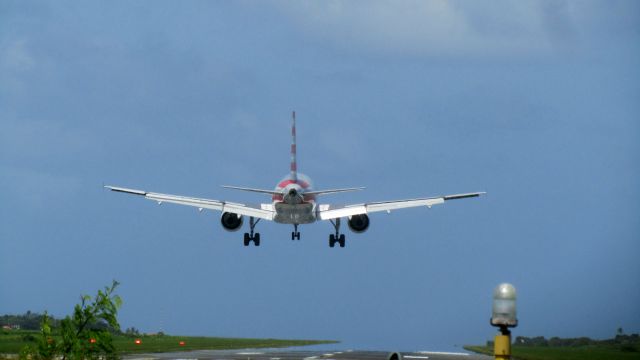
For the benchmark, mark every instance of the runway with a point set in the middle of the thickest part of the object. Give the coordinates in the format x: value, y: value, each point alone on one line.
x: 283, y: 354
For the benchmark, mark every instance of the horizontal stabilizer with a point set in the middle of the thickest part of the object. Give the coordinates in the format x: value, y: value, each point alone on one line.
x: 270, y: 192
x: 331, y: 191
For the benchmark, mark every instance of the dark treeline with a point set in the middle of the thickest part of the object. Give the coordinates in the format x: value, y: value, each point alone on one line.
x: 26, y: 321
x: 620, y: 339
x: 32, y: 321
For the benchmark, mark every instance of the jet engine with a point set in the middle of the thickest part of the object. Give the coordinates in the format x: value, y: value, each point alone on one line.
x: 359, y: 223
x: 231, y: 221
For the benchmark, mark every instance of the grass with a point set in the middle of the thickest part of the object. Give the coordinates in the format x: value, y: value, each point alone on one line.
x: 11, y: 342
x: 168, y: 343
x: 587, y: 352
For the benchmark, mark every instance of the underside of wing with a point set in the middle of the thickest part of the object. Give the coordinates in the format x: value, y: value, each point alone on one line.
x: 326, y: 212
x: 262, y: 212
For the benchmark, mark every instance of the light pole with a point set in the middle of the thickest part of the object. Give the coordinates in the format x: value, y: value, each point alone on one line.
x: 503, y: 316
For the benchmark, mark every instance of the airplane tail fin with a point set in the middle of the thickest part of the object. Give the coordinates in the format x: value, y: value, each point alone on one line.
x: 294, y: 164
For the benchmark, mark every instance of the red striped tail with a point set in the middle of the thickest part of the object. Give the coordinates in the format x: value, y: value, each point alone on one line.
x: 294, y: 164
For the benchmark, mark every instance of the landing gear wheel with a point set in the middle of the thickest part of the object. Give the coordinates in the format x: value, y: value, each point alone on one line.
x: 250, y: 236
x: 295, y: 235
x: 247, y: 239
x: 337, y: 237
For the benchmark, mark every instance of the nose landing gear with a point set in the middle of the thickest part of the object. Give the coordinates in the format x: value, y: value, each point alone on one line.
x: 295, y: 235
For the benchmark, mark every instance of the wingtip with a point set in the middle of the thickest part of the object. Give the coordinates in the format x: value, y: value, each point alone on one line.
x: 125, y: 190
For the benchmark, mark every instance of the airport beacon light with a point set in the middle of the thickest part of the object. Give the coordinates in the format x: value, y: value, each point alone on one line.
x: 503, y: 316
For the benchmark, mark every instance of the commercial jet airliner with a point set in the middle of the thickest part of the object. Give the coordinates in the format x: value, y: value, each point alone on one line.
x: 293, y: 201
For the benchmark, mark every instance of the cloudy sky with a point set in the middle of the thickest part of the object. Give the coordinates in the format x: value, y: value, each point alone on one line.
x: 535, y: 102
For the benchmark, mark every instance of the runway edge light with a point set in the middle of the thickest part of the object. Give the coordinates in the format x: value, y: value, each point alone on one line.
x: 503, y: 316
x: 504, y: 306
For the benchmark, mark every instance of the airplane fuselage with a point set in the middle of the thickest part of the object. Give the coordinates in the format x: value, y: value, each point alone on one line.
x: 293, y: 206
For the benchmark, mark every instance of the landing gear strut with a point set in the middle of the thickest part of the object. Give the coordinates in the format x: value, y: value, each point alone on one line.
x: 295, y: 235
x: 249, y: 237
x: 337, y: 238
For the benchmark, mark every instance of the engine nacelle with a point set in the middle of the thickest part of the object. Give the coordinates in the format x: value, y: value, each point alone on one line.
x: 231, y: 221
x: 359, y: 223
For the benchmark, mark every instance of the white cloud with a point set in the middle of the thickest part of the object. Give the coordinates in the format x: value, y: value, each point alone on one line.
x: 435, y: 27
x: 15, y: 56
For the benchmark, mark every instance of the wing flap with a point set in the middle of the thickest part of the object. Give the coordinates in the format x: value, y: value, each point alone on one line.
x: 342, y: 212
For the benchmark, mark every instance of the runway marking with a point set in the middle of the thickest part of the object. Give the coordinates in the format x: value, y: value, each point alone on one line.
x: 442, y: 353
x: 327, y: 355
x: 250, y: 353
x: 414, y: 357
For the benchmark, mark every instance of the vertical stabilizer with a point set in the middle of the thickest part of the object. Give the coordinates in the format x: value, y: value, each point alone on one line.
x: 294, y: 164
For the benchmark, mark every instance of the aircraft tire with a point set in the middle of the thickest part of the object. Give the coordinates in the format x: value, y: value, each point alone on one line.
x: 256, y: 239
x: 332, y: 240
x: 342, y: 240
x: 246, y: 239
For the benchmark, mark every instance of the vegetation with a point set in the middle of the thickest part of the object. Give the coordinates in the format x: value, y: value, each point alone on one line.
x: 167, y: 343
x: 87, y: 334
x: 93, y: 332
x: 538, y: 348
x: 12, y: 341
x: 26, y: 321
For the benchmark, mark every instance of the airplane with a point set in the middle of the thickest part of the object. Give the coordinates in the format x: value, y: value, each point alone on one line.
x: 293, y: 201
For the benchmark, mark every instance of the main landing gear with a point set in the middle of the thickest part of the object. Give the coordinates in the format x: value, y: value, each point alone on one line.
x: 295, y: 235
x: 249, y: 237
x: 337, y: 238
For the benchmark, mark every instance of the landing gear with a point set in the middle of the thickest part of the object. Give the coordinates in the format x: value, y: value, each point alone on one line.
x: 337, y: 238
x: 333, y: 240
x: 249, y: 237
x: 295, y: 235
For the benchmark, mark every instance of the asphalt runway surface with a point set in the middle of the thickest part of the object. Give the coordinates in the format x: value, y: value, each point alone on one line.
x: 283, y: 354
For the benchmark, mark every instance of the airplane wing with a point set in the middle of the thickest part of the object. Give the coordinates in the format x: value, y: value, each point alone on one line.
x: 326, y: 212
x: 262, y: 212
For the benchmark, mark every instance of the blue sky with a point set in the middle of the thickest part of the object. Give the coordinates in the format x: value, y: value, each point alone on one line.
x: 536, y: 103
